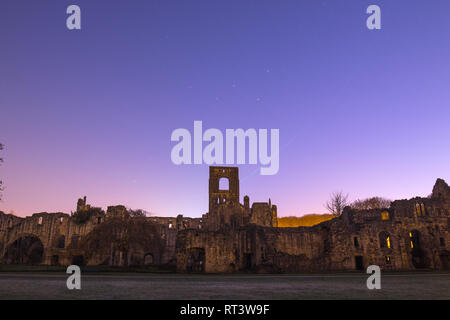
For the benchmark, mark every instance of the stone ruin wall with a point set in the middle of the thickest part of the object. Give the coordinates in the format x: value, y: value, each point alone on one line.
x: 234, y: 237
x: 353, y: 241
x: 61, y: 235
x: 49, y: 228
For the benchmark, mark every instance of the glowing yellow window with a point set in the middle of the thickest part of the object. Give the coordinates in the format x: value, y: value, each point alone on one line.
x: 385, y: 215
x: 388, y: 242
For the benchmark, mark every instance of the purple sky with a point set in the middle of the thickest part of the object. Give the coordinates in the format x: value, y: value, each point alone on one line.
x: 91, y: 112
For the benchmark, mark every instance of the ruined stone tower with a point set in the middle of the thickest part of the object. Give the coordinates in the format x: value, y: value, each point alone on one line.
x: 218, y: 196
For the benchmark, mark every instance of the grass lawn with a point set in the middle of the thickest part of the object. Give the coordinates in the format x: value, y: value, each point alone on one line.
x: 177, y: 286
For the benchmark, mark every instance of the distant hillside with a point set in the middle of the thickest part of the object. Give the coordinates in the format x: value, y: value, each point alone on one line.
x: 308, y: 220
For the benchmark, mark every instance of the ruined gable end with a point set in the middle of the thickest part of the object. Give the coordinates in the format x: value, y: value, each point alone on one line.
x: 441, y: 189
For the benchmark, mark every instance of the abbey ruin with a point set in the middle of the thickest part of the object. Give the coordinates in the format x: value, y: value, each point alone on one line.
x: 235, y: 237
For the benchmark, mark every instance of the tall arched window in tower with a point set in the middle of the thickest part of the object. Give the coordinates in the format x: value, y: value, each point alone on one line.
x: 61, y: 242
x: 414, y: 237
x: 418, y: 210
x: 224, y: 184
x: 385, y: 240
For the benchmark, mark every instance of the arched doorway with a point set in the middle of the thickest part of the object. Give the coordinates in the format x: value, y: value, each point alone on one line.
x: 359, y: 263
x: 248, y: 261
x: 148, y: 259
x: 196, y: 260
x: 385, y: 240
x: 61, y: 243
x: 26, y: 250
x: 55, y: 260
x: 419, y: 259
x: 78, y: 261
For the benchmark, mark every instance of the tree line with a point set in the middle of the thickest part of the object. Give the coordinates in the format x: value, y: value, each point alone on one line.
x: 338, y: 201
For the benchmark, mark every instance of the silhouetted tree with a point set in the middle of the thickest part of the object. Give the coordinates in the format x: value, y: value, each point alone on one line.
x: 371, y: 203
x: 123, y: 234
x: 338, y: 201
x: 83, y: 216
x: 138, y: 213
x: 1, y: 182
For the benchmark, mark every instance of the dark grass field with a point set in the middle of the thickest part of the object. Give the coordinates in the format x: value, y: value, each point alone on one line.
x: 234, y: 287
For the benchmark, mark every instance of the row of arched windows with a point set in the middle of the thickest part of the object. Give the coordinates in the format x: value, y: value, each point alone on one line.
x: 41, y: 220
x: 386, y: 240
x: 421, y: 210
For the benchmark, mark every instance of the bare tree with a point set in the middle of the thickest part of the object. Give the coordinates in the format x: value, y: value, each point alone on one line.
x: 1, y: 182
x: 338, y: 201
x: 371, y: 203
x: 121, y: 235
x: 138, y: 213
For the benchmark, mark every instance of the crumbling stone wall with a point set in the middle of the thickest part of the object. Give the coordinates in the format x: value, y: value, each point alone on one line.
x: 49, y: 228
x: 411, y: 234
x: 62, y: 237
x: 263, y: 214
x: 220, y: 250
x: 7, y: 221
x: 225, y: 210
x: 233, y: 237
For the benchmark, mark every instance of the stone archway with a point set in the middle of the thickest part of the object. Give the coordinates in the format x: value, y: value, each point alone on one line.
x: 78, y: 260
x: 25, y: 250
x: 418, y: 255
x: 148, y: 259
x: 385, y: 240
x: 196, y: 260
x: 61, y: 242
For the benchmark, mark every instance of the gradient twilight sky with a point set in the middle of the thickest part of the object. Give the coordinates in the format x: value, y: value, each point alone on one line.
x: 91, y: 112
